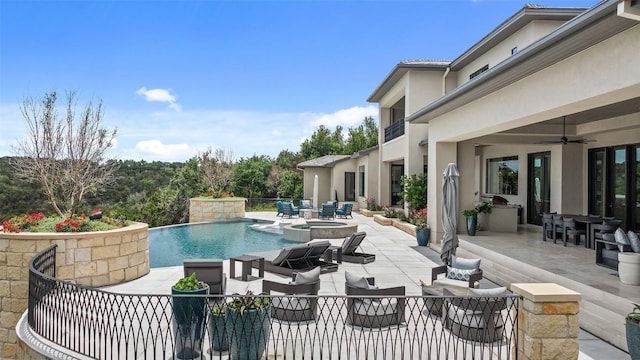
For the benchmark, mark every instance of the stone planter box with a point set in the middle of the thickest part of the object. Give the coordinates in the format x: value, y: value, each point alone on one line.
x: 405, y: 226
x: 369, y: 213
x: 96, y: 258
x: 382, y: 220
x: 207, y: 209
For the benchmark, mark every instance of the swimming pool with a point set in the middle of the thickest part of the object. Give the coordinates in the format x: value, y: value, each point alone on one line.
x: 170, y: 245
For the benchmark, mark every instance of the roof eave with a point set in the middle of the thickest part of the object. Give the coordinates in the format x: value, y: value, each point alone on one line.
x: 474, y: 87
x: 398, y: 72
x: 510, y: 26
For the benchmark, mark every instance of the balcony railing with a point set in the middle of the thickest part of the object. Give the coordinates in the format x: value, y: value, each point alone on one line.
x: 394, y: 130
x: 104, y: 325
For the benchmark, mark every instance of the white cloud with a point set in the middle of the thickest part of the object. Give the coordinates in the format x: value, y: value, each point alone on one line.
x: 169, y: 135
x: 160, y: 95
x: 347, y: 117
x: 155, y: 148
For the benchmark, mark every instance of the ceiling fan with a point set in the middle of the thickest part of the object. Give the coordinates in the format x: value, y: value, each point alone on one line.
x: 564, y: 140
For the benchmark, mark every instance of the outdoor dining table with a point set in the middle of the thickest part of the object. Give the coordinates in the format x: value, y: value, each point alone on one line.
x: 588, y: 221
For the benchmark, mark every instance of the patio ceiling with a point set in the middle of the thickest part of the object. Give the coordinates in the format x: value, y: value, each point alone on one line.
x: 578, y: 125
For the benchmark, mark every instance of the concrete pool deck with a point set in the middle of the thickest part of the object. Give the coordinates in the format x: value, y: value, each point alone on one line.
x: 397, y: 263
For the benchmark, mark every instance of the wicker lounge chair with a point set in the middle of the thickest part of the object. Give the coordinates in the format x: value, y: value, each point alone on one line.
x: 477, y: 317
x: 349, y: 247
x: 461, y: 273
x: 296, y: 258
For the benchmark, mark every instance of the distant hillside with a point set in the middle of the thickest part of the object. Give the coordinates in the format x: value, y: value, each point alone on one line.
x: 134, y: 180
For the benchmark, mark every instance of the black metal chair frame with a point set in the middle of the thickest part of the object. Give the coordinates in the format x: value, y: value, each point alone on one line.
x: 473, y: 278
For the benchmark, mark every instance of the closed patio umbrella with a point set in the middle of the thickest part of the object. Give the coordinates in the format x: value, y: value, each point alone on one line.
x: 315, y: 192
x: 450, y: 184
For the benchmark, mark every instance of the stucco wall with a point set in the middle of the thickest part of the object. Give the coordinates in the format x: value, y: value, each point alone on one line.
x: 215, y: 209
x: 92, y: 258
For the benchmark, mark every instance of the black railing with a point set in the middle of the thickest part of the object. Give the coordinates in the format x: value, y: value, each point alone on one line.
x: 104, y: 325
x: 394, y: 130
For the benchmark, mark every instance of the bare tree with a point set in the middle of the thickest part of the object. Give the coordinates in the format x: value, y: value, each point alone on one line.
x: 217, y: 168
x: 65, y: 153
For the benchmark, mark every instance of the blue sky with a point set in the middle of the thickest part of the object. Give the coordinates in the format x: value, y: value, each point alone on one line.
x: 251, y: 77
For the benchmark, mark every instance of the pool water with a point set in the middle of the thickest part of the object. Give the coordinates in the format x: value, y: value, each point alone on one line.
x: 170, y: 245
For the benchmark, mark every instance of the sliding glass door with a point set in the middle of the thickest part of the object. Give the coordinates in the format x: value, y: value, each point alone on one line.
x: 614, y: 183
x: 538, y: 198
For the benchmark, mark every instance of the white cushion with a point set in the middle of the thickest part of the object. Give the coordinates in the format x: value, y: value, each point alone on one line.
x: 371, y: 307
x: 493, y: 292
x: 307, y: 277
x: 291, y: 303
x: 470, y: 318
x: 634, y: 241
x: 466, y: 264
x: 459, y: 274
x: 621, y: 239
x: 450, y: 282
x: 358, y: 281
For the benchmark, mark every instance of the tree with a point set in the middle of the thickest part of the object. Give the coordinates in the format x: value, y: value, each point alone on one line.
x: 323, y: 142
x: 217, y: 168
x: 66, y: 154
x: 362, y: 137
x: 250, y: 176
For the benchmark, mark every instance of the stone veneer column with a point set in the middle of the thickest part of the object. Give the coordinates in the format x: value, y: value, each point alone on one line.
x: 207, y: 209
x: 548, y: 323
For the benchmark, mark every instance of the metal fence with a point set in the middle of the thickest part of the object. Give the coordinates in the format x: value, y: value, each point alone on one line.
x: 105, y: 325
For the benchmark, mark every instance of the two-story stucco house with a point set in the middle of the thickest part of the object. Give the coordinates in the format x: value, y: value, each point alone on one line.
x: 502, y: 110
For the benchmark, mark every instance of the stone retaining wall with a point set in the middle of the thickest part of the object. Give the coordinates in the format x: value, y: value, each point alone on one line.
x: 203, y: 209
x: 90, y: 258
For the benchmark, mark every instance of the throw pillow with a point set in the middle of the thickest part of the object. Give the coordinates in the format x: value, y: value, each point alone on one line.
x: 621, y: 239
x: 356, y: 281
x: 499, y: 291
x: 307, y: 277
x: 634, y: 241
x: 459, y: 274
x: 466, y: 264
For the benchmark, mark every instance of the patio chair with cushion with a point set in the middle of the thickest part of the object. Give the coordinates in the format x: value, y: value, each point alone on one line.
x: 462, y: 273
x: 345, y: 210
x: 327, y: 211
x: 209, y: 271
x: 349, y: 247
x: 558, y: 227
x: 289, y: 210
x: 376, y: 308
x: 305, y: 204
x: 477, y: 317
x: 280, y: 208
x: 570, y: 228
x: 548, y: 232
x: 297, y: 307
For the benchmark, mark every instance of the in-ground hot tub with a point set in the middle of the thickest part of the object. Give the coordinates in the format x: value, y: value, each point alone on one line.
x: 318, y: 230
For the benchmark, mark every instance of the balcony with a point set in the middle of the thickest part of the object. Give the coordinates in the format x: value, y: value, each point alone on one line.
x: 394, y: 130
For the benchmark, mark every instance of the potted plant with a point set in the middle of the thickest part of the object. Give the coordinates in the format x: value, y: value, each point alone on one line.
x: 483, y: 208
x: 189, y: 314
x: 421, y: 221
x: 217, y: 328
x: 472, y: 221
x: 633, y: 332
x: 248, y: 325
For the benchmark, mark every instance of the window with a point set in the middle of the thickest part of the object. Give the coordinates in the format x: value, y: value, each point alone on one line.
x: 479, y: 71
x: 349, y: 186
x: 502, y: 175
x: 361, y: 178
